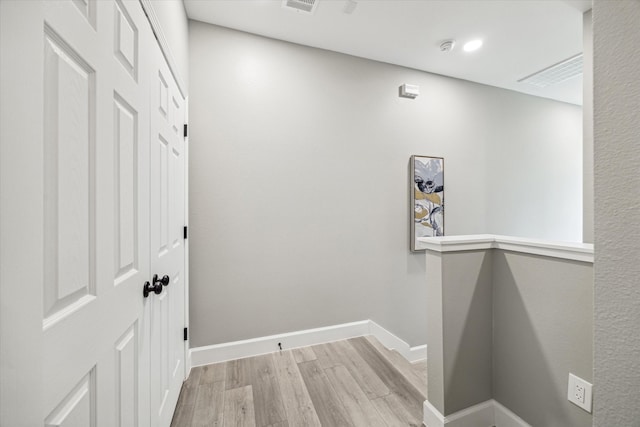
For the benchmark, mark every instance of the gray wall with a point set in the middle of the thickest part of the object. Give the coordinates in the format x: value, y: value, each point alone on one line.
x: 435, y: 330
x: 617, y: 215
x: 534, y: 167
x: 459, y: 326
x: 511, y: 327
x: 542, y: 317
x: 466, y: 298
x: 298, y: 182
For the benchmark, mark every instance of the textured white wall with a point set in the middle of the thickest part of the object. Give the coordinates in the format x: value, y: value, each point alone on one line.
x: 299, y: 182
x: 617, y: 212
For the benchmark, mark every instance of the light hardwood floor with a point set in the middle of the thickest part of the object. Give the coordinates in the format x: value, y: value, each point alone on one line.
x: 355, y: 382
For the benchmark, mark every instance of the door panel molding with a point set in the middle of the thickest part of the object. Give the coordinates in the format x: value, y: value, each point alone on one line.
x: 78, y: 407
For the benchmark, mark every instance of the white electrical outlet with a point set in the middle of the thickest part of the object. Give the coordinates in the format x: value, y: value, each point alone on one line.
x: 579, y: 392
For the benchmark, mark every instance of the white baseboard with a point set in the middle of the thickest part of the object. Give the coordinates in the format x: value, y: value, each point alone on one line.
x: 252, y: 347
x: 187, y: 361
x: 485, y: 414
x: 416, y: 353
x: 392, y: 342
x: 431, y: 416
x: 506, y: 418
x: 480, y: 415
x: 255, y: 346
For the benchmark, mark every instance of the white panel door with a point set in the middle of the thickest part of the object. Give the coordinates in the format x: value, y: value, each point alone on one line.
x: 167, y: 220
x: 75, y: 213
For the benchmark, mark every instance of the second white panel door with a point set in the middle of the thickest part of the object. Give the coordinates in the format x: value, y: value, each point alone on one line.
x: 167, y: 170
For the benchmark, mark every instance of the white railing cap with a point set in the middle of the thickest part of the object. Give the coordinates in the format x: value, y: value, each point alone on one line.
x: 565, y: 250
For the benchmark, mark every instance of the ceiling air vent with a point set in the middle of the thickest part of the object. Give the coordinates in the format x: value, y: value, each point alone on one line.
x: 557, y: 73
x: 308, y: 6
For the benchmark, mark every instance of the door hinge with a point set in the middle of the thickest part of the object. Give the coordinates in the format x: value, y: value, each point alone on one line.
x: 186, y: 232
x: 185, y: 130
x: 186, y: 334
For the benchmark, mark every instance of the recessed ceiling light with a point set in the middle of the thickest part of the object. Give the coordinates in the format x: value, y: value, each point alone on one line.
x: 472, y: 45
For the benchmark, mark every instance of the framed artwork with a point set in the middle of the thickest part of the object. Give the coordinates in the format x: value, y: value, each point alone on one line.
x: 427, y: 198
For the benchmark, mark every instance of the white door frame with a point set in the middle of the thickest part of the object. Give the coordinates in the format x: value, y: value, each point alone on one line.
x: 187, y: 354
x: 21, y: 149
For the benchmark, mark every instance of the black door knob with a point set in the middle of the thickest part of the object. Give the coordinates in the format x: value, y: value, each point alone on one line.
x: 161, y: 282
x: 156, y: 288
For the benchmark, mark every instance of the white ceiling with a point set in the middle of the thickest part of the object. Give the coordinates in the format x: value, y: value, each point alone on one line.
x: 520, y: 37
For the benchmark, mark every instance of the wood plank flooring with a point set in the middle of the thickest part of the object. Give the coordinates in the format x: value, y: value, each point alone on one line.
x: 352, y: 383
